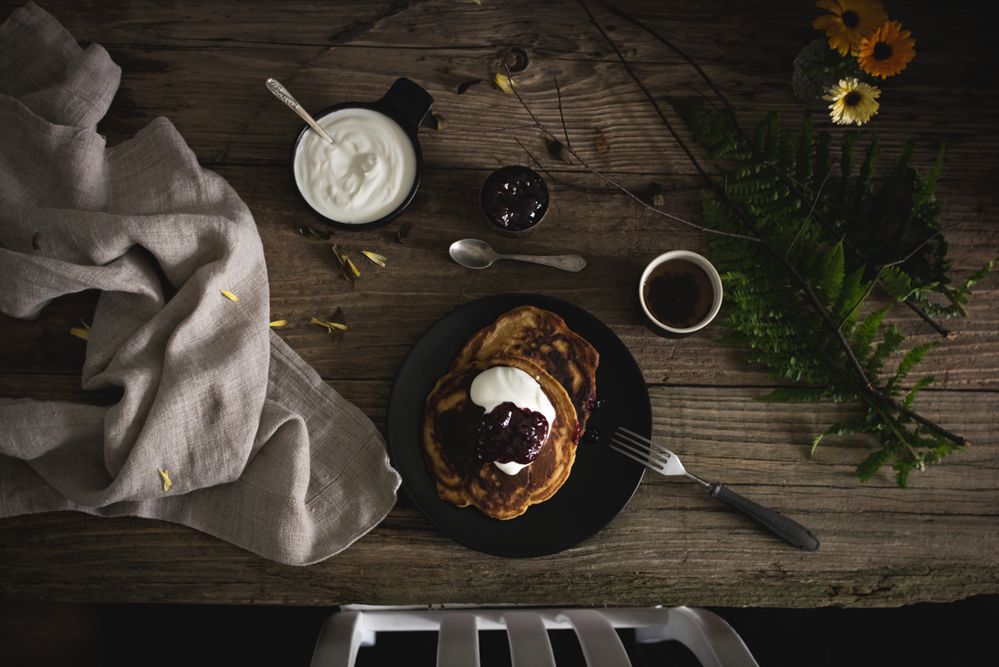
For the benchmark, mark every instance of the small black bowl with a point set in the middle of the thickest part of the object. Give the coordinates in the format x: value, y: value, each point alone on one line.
x: 514, y: 200
x: 407, y: 103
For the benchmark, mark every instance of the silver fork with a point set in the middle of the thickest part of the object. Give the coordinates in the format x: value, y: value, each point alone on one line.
x: 663, y: 461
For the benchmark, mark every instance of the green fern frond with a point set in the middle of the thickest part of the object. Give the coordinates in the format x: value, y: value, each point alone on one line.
x: 777, y: 184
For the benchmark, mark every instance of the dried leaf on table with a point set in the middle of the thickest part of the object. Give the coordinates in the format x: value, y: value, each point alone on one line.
x: 347, y: 267
x: 404, y: 229
x: 505, y: 83
x: 314, y: 234
x: 436, y: 122
x: 655, y: 194
x: 375, y: 257
x: 556, y: 149
x: 465, y: 85
x: 334, y: 326
x: 83, y: 333
x: 349, y: 263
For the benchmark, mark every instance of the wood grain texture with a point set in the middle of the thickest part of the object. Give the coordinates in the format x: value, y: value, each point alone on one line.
x: 672, y: 544
x: 203, y: 64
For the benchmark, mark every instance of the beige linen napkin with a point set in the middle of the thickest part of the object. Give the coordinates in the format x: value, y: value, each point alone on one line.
x: 260, y: 451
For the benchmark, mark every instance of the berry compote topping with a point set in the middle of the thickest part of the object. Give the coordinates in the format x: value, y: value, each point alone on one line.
x: 514, y: 198
x: 509, y: 433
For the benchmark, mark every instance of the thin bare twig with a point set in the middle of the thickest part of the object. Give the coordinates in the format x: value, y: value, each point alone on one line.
x: 808, y: 217
x: 540, y: 126
x: 555, y: 178
x: 565, y: 127
x: 798, y: 187
x: 881, y: 270
x: 868, y: 388
x: 746, y: 220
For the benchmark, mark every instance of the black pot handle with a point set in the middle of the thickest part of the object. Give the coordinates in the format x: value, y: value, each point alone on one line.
x: 409, y: 101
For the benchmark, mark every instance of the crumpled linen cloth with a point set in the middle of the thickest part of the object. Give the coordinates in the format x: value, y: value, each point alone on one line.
x: 260, y: 451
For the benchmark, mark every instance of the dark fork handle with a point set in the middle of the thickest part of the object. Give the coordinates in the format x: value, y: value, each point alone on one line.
x: 791, y: 531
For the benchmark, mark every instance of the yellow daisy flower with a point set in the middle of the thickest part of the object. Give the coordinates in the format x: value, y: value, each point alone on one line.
x: 852, y: 102
x: 849, y: 21
x: 887, y: 51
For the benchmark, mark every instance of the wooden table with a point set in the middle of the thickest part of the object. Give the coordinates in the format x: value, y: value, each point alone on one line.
x: 203, y: 65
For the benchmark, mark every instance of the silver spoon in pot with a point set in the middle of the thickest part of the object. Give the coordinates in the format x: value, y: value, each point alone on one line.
x: 282, y: 94
x: 477, y: 254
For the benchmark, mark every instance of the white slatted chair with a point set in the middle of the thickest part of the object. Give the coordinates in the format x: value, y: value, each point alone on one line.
x: 713, y: 641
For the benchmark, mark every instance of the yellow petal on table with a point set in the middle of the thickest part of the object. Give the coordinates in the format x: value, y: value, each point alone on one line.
x: 349, y: 263
x: 276, y: 324
x: 329, y: 326
x: 79, y: 332
x: 165, y: 476
x: 504, y: 83
x: 375, y: 257
x: 229, y: 295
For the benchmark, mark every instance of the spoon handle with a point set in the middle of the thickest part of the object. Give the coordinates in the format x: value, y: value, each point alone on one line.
x: 565, y: 262
x: 282, y: 94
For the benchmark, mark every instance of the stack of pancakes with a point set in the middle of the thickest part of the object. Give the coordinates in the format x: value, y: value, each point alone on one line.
x: 564, y: 364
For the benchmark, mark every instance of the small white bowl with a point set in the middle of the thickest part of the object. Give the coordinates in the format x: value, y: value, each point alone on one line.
x: 694, y: 258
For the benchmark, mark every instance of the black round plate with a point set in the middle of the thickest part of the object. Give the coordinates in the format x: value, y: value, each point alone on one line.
x: 602, y: 481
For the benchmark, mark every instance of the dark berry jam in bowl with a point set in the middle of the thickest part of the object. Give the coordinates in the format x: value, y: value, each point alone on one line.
x: 514, y: 200
x: 509, y: 433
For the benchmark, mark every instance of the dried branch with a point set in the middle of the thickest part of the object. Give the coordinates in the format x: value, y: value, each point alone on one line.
x: 800, y: 189
x: 746, y: 220
x: 565, y: 128
x: 881, y: 270
x: 868, y: 388
x: 555, y: 178
x: 658, y: 211
x: 811, y: 210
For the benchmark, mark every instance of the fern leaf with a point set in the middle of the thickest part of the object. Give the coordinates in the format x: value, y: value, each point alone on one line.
x: 848, y: 428
x: 909, y: 361
x: 870, y: 466
x: 831, y: 272
x: 804, y: 162
x: 864, y: 335
x: 921, y: 384
x: 890, y: 342
x: 863, y: 184
x: 851, y: 296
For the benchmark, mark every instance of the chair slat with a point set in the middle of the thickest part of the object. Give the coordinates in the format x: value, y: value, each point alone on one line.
x: 458, y: 642
x: 529, y: 643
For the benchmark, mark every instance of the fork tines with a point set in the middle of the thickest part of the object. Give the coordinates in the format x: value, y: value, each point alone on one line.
x: 639, y: 448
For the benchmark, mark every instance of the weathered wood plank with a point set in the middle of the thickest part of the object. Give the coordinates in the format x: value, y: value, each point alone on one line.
x: 202, y: 66
x: 199, y: 71
x: 198, y: 88
x: 391, y: 307
x: 881, y: 546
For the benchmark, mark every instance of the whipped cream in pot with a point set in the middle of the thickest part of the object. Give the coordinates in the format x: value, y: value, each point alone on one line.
x: 502, y: 384
x: 365, y: 175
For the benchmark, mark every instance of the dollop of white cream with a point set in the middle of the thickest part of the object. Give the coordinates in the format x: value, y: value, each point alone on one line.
x: 365, y: 175
x: 502, y: 384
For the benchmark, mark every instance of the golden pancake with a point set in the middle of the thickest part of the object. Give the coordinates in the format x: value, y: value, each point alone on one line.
x: 448, y: 437
x: 542, y: 337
